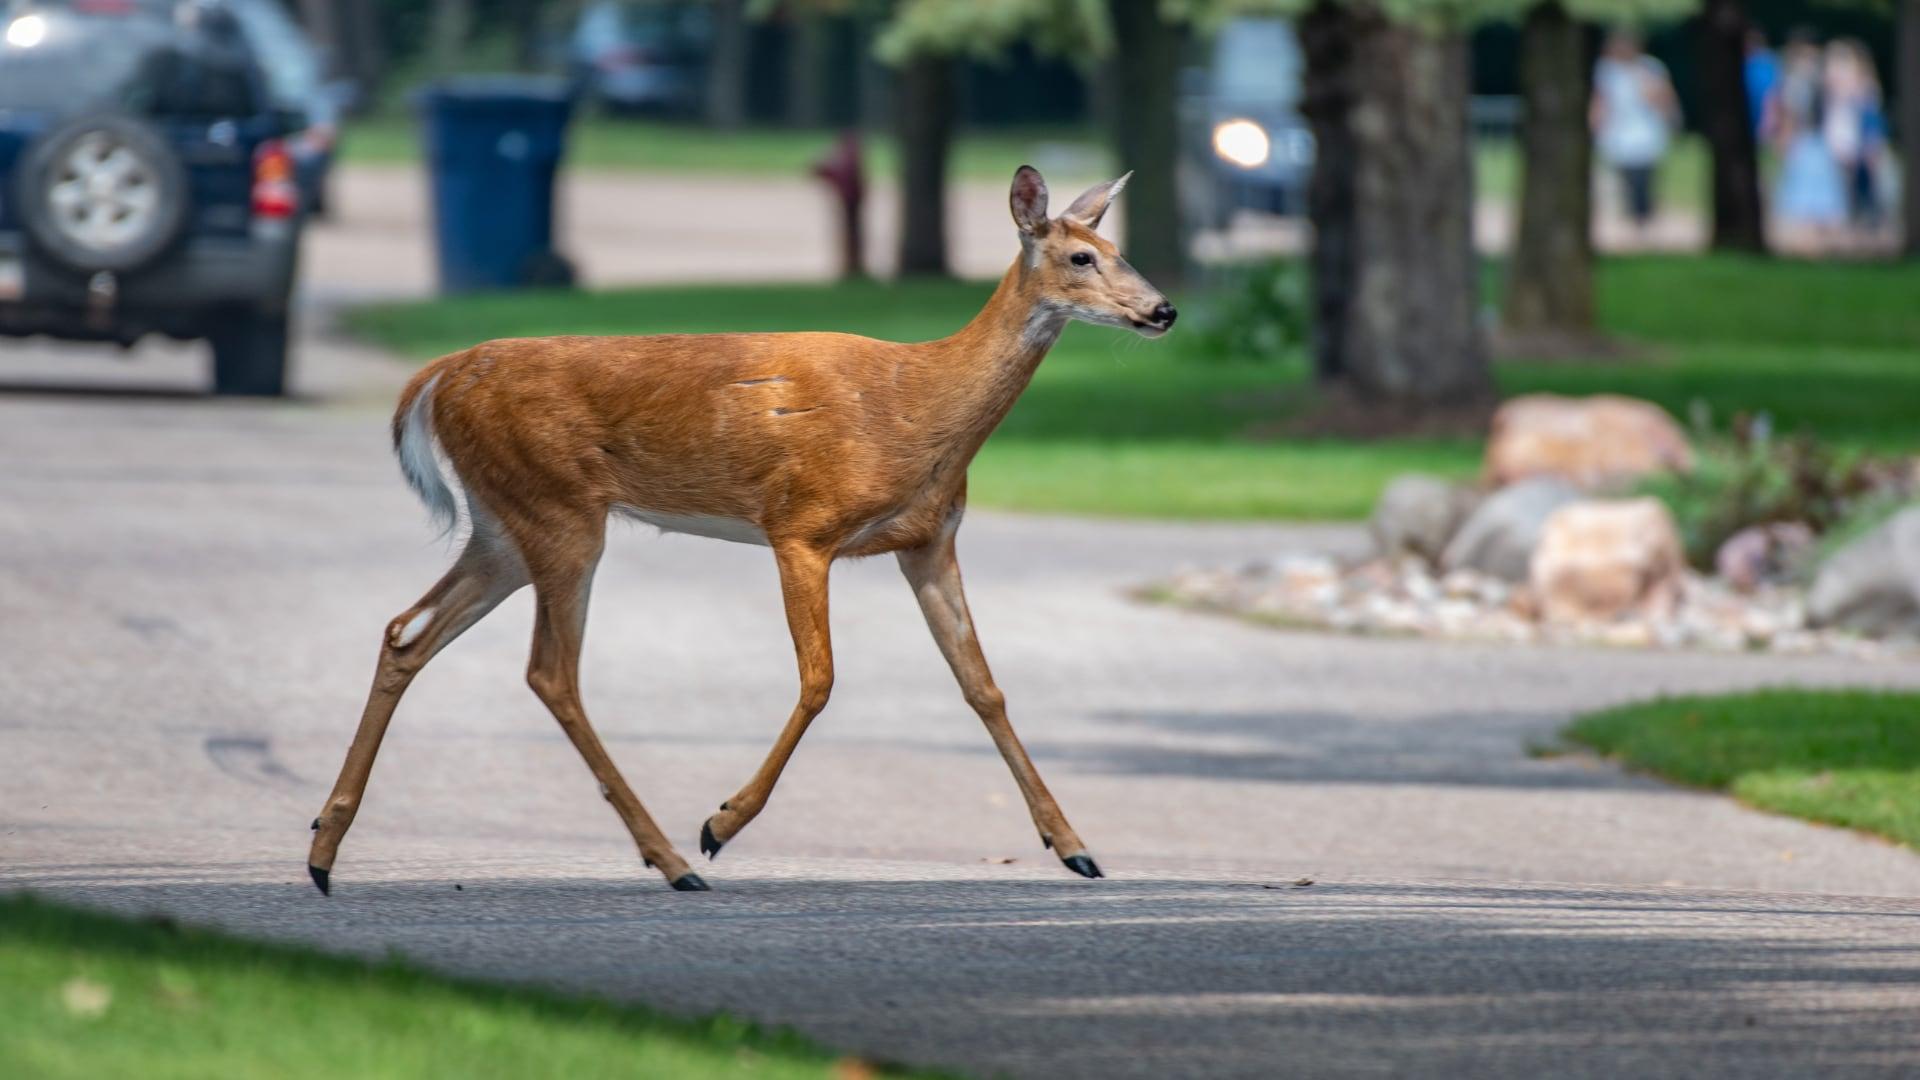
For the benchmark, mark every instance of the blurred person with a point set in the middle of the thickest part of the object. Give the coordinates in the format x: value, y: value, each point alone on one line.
x: 1761, y: 71
x: 1633, y: 113
x: 1811, y: 190
x: 1854, y: 124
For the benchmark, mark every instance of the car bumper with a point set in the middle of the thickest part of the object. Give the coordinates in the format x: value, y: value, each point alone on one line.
x: 173, y: 296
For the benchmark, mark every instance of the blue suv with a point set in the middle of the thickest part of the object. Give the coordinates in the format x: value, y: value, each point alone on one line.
x: 144, y: 184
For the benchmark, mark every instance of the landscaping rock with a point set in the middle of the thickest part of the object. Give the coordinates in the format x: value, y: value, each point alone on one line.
x: 1498, y: 538
x: 1404, y: 597
x: 1872, y: 585
x: 1606, y: 559
x: 1590, y: 442
x: 1417, y: 515
x: 1763, y: 554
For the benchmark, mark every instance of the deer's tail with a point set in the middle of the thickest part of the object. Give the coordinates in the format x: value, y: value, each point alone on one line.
x: 413, y: 444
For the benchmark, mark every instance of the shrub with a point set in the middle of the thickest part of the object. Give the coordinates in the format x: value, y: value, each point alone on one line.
x: 1259, y: 314
x: 1752, y: 479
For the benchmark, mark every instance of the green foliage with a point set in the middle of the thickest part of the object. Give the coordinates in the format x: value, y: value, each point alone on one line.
x: 1259, y: 314
x: 85, y: 996
x: 1845, y: 757
x: 985, y: 29
x: 1753, y: 480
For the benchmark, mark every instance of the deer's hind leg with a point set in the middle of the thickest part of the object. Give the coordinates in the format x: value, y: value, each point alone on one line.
x: 934, y: 573
x: 562, y: 573
x: 487, y: 572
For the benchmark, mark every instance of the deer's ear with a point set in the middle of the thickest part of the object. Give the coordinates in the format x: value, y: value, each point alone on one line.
x: 1029, y: 200
x: 1092, y: 204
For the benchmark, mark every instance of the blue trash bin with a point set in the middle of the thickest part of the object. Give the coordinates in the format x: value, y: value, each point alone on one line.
x: 493, y: 146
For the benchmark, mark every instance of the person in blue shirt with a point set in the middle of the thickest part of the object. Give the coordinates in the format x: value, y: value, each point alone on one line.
x: 1762, y: 71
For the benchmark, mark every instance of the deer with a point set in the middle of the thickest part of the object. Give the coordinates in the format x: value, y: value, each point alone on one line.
x: 819, y: 446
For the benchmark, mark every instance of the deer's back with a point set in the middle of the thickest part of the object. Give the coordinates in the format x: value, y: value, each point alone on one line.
x: 727, y: 435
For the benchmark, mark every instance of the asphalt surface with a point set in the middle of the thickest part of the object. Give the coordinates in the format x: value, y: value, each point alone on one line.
x: 190, y: 597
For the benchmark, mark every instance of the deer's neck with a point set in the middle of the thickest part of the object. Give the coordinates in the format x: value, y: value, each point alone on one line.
x: 973, y: 378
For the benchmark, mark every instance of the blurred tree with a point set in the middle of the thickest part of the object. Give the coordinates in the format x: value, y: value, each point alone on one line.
x: 450, y: 31
x: 1327, y: 38
x: 1395, y: 277
x: 1412, y: 340
x: 923, y: 122
x: 1149, y: 48
x: 1738, y: 217
x: 811, y: 40
x: 1549, y: 288
x: 726, y: 96
x: 350, y: 34
x: 922, y: 39
x: 1549, y: 291
x: 1907, y: 126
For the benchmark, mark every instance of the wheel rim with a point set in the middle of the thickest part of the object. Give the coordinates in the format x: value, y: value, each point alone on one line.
x: 104, y: 194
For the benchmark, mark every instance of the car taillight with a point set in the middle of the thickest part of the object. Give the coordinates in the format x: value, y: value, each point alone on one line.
x: 275, y: 192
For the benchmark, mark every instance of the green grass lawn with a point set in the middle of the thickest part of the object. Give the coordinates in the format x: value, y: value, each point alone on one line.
x: 1117, y: 425
x: 84, y: 996
x: 1843, y: 757
x: 1681, y: 183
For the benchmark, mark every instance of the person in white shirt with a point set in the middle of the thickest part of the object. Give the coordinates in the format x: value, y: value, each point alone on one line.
x: 1633, y: 113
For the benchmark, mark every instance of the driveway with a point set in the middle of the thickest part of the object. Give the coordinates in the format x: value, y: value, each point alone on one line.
x: 190, y: 593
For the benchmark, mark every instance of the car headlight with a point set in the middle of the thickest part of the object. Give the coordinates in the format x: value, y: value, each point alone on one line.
x: 1242, y: 142
x: 27, y: 31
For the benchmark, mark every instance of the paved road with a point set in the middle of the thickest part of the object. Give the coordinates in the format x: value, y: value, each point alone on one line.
x: 190, y: 592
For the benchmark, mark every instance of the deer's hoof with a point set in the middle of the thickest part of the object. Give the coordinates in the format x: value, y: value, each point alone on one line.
x: 690, y: 882
x: 320, y: 880
x: 708, y: 845
x: 1083, y: 865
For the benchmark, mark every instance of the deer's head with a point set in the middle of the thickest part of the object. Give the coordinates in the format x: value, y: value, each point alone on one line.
x: 1076, y: 271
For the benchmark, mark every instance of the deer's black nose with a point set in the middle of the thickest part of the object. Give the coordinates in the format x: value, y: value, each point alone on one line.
x: 1164, y: 314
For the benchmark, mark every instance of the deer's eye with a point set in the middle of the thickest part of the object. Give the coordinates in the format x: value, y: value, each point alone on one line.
x: 1082, y: 258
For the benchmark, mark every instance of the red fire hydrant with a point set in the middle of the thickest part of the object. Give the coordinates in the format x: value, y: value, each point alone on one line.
x: 845, y: 174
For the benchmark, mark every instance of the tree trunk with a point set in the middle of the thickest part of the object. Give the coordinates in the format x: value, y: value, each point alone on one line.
x: 526, y: 20
x: 1146, y: 136
x: 873, y: 80
x: 349, y: 34
x: 447, y: 35
x: 1550, y: 278
x: 1327, y: 32
x: 727, y: 66
x: 810, y: 40
x: 1738, y: 219
x: 1412, y: 340
x: 924, y: 122
x: 1907, y: 79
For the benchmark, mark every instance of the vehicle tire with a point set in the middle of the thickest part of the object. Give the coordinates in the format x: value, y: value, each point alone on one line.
x: 102, y: 192
x: 250, y: 354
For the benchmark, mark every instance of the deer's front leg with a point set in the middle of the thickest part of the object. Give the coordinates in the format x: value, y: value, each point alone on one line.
x: 803, y: 581
x: 934, y: 573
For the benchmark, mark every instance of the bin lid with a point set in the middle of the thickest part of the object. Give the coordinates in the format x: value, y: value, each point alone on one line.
x: 501, y: 89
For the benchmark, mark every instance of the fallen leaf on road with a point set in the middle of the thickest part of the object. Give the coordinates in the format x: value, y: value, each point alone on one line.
x: 1001, y: 859
x: 850, y: 1068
